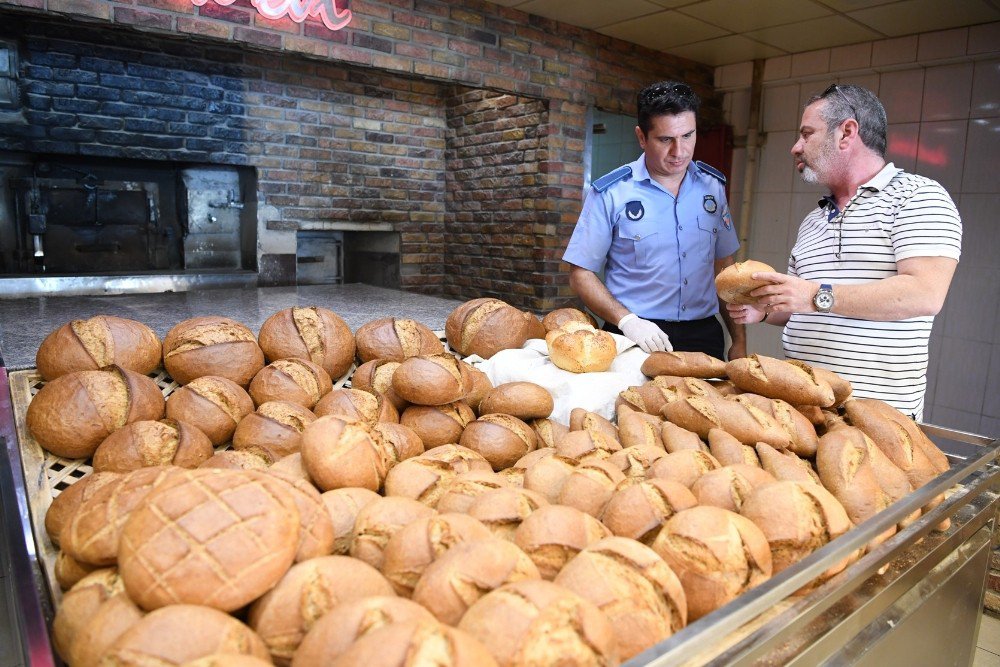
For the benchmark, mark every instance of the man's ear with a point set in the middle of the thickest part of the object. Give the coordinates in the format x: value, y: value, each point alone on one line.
x: 641, y: 136
x: 850, y: 131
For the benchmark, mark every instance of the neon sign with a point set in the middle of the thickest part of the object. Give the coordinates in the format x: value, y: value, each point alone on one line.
x: 297, y: 10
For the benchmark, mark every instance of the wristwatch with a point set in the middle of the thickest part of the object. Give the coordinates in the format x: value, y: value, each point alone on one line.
x: 823, y: 300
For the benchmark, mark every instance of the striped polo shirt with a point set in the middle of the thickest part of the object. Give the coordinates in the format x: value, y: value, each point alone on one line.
x: 893, y: 216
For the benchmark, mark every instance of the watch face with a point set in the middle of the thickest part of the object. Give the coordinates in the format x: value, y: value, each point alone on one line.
x: 824, y: 300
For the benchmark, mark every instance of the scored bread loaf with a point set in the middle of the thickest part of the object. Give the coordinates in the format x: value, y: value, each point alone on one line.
x: 91, y: 344
x: 685, y: 466
x: 433, y: 379
x: 339, y: 453
x: 376, y: 376
x: 395, y: 339
x: 466, y: 487
x: 553, y: 534
x: 211, y: 346
x: 276, y: 428
x: 786, y: 465
x: 746, y: 423
x: 293, y: 379
x: 639, y: 510
x: 729, y: 486
x: 580, y: 348
x: 215, y: 404
x: 636, y: 461
x: 313, y: 333
x: 730, y: 451
x: 801, y: 433
x: 524, y: 400
x: 776, y: 378
x: 356, y: 405
x: 343, y: 506
x: 841, y: 386
x: 683, y: 364
x: 74, y: 413
x: 407, y: 642
x: 501, y: 439
x: 378, y: 521
x: 438, y: 424
x: 486, y: 326
x: 502, y: 510
x: 735, y: 282
x: 152, y: 443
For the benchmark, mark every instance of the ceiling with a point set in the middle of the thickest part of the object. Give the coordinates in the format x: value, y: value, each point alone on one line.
x: 720, y: 32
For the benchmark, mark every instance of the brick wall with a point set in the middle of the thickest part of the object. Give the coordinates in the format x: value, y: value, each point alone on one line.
x: 349, y: 126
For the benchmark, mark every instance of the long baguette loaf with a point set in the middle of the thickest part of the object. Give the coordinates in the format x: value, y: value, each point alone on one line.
x: 800, y: 430
x: 684, y: 364
x: 748, y: 424
x: 785, y: 465
x: 775, y: 378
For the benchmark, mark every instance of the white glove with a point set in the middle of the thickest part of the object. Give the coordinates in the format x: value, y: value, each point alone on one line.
x: 648, y: 336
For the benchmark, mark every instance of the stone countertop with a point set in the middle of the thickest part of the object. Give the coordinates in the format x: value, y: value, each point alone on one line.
x: 24, y: 323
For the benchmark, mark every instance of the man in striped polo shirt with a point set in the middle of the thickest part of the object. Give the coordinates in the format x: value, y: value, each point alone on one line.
x: 872, y: 263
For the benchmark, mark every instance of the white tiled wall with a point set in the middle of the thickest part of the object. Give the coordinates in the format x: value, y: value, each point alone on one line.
x: 941, y: 91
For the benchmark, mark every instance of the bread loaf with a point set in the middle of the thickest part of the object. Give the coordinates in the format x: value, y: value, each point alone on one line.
x: 313, y: 333
x: 801, y: 433
x: 65, y: 505
x: 355, y: 405
x: 316, y: 537
x: 378, y: 521
x: 92, y: 344
x: 636, y: 461
x: 276, y: 428
x: 842, y: 389
x: 74, y: 413
x: 293, y: 379
x: 486, y: 326
x: 432, y: 379
x: 547, y: 475
x: 215, y: 404
x: 514, y: 475
x: 785, y: 465
x: 580, y: 348
x: 728, y: 451
x: 338, y: 454
x: 775, y: 378
x: 481, y: 386
x: 460, y: 459
x: 633, y: 586
x: 560, y: 316
x: 375, y: 376
x: 746, y: 423
x: 549, y: 432
x: 217, y: 346
x: 535, y: 327
x: 524, y: 400
x: 438, y: 424
x: 503, y: 510
x: 109, y: 622
x: 343, y: 506
x: 717, y: 555
x: 683, y: 364
x: 729, y: 486
x: 282, y: 618
x: 466, y: 487
x: 399, y: 643
x: 583, y: 420
x: 586, y: 445
x: 639, y: 428
x: 590, y: 486
x: 243, y: 459
x: 675, y: 438
x: 516, y: 624
x: 896, y: 442
x: 735, y: 282
x: 501, y: 439
x: 152, y: 443
x: 685, y: 466
x: 398, y: 442
x: 395, y: 339
x: 80, y: 604
x: 553, y: 534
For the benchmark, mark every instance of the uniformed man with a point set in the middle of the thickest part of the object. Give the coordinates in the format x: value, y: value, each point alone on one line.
x: 660, y: 229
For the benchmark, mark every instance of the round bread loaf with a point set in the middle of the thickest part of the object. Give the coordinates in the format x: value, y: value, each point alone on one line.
x: 163, y: 563
x: 729, y: 487
x: 211, y: 345
x: 411, y: 550
x: 531, y: 615
x: 633, y: 586
x: 638, y: 511
x: 685, y: 466
x: 535, y: 327
x: 420, y: 478
x: 93, y: 533
x: 438, y: 424
x: 549, y: 431
x: 316, y: 536
x: 378, y: 521
x: 796, y: 519
x: 337, y: 630
x: 524, y: 400
x: 590, y: 486
x: 586, y: 445
x: 636, y: 461
x: 70, y: 571
x: 432, y: 379
x: 735, y: 282
x: 717, y: 554
x: 416, y: 642
x: 293, y: 465
x: 395, y: 339
x: 503, y: 510
x: 486, y: 326
x: 74, y: 413
x: 684, y: 365
x: 501, y: 439
x: 466, y: 572
x: 65, y: 505
x: 580, y: 348
x: 547, y: 475
x: 281, y: 617
x: 215, y: 404
x: 343, y: 506
x: 560, y: 316
x: 92, y: 344
x: 102, y: 630
x: 276, y: 428
x: 79, y: 605
x: 375, y: 377
x: 292, y: 379
x: 357, y: 405
x: 338, y: 453
x: 243, y: 459
x: 727, y: 450
x: 398, y: 442
x: 461, y: 459
x: 153, y: 640
x: 481, y: 386
x: 466, y: 487
x: 553, y: 534
x: 313, y: 333
x: 152, y: 443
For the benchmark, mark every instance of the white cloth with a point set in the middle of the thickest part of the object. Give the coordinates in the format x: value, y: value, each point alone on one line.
x: 594, y: 392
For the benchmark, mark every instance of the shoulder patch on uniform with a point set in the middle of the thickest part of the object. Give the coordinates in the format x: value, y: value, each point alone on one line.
x: 609, y: 179
x: 710, y: 170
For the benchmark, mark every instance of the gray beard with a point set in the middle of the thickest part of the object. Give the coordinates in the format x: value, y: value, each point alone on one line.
x: 809, y: 175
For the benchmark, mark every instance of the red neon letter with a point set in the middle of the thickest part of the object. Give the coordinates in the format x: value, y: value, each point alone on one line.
x: 297, y: 10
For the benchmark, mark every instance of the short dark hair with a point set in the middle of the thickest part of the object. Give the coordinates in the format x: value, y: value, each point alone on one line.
x: 666, y: 98
x: 847, y: 101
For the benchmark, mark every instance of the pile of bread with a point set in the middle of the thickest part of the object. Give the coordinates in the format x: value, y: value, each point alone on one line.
x: 423, y: 515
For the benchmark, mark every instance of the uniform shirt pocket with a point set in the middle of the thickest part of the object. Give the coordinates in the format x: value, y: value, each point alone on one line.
x: 642, y: 239
x: 709, y: 227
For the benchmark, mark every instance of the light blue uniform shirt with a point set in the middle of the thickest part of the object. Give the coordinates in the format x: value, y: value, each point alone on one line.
x: 657, y: 251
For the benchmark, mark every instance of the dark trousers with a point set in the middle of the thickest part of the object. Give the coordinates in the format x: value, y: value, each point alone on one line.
x: 692, y: 336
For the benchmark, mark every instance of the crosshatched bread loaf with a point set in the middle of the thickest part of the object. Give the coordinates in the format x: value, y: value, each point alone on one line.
x: 218, y: 538
x: 683, y: 364
x: 735, y: 282
x: 152, y: 443
x: 284, y: 614
x: 580, y: 348
x: 395, y: 339
x: 337, y: 630
x: 215, y: 404
x: 313, y: 333
x: 293, y: 379
x: 633, y: 586
x: 776, y: 378
x: 74, y: 413
x: 92, y: 344
x: 65, y: 505
x: 543, y: 624
x: 486, y: 326
x: 275, y: 427
x: 211, y: 346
